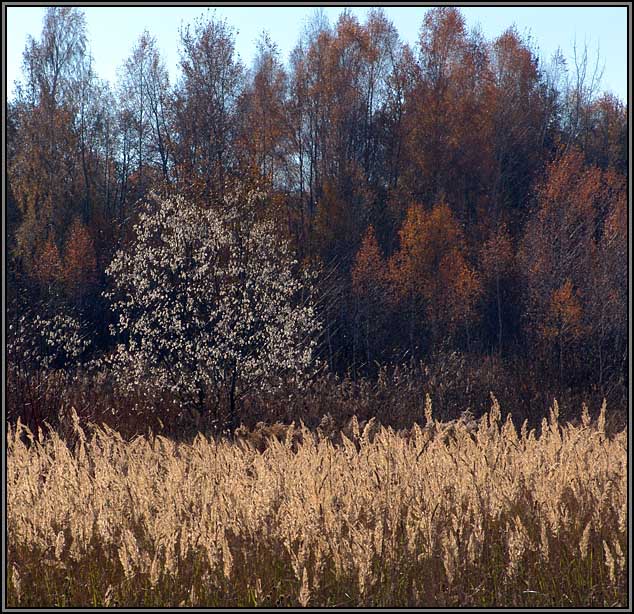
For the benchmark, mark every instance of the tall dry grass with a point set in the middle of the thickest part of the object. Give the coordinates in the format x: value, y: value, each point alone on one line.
x: 467, y: 513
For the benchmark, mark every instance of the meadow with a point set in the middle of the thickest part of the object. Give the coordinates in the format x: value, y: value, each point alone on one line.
x: 462, y: 513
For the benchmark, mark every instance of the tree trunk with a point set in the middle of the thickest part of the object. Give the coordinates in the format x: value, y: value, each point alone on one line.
x: 499, y: 304
x: 561, y: 361
x: 232, y: 402
x: 201, y: 399
x: 367, y: 337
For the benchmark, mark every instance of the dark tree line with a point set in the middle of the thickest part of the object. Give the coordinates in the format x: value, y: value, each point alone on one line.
x: 458, y: 194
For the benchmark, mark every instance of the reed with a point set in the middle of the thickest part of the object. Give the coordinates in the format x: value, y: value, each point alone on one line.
x: 467, y: 513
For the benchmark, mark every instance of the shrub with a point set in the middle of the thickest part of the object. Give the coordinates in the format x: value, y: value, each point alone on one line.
x: 210, y: 304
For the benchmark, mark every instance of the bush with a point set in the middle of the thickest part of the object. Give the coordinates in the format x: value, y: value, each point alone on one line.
x: 210, y: 305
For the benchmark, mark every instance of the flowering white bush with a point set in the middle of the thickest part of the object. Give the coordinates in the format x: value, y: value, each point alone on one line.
x: 45, y: 343
x: 207, y: 301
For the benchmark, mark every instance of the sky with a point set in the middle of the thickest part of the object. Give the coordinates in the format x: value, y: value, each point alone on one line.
x: 112, y: 32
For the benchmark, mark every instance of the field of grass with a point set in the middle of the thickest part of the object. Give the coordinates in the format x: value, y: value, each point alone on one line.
x: 471, y: 513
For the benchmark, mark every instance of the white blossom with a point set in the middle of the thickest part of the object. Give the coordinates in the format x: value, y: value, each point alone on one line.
x: 45, y: 343
x: 209, y: 300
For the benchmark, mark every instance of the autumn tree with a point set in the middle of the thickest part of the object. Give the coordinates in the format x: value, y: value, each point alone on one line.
x: 263, y: 121
x: 448, y: 144
x: 48, y: 268
x: 606, y: 144
x: 370, y: 286
x: 336, y: 108
x: 44, y: 174
x: 606, y: 290
x: 62, y: 162
x: 431, y: 277
x: 556, y: 244
x: 205, y: 106
x: 53, y: 64
x: 562, y: 248
x: 521, y: 119
x: 339, y: 85
x: 563, y: 319
x: 497, y: 267
x: 392, y: 126
x: 80, y: 266
x: 379, y: 63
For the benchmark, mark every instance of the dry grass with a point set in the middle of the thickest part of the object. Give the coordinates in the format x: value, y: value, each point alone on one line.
x: 471, y: 513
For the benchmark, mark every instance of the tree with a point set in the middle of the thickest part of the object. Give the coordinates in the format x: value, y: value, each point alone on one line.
x: 606, y: 291
x: 370, y: 287
x: 563, y: 321
x: 145, y: 97
x: 519, y: 123
x: 53, y: 65
x: 580, y: 92
x: 205, y: 106
x: 338, y: 85
x: 263, y: 126
x: 448, y: 143
x: 557, y: 245
x: 209, y: 302
x: 607, y: 139
x: 48, y: 268
x: 430, y: 274
x: 61, y: 153
x: 497, y: 266
x: 79, y: 261
x: 37, y: 341
x: 572, y: 252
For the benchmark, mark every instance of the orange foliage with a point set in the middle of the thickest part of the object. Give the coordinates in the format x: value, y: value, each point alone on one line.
x: 369, y: 272
x: 48, y: 265
x: 430, y: 267
x: 448, y: 119
x: 79, y: 258
x: 496, y: 254
x: 564, y: 319
x: 573, y: 275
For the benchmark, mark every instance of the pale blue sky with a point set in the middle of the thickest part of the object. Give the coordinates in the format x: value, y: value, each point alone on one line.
x: 112, y: 31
